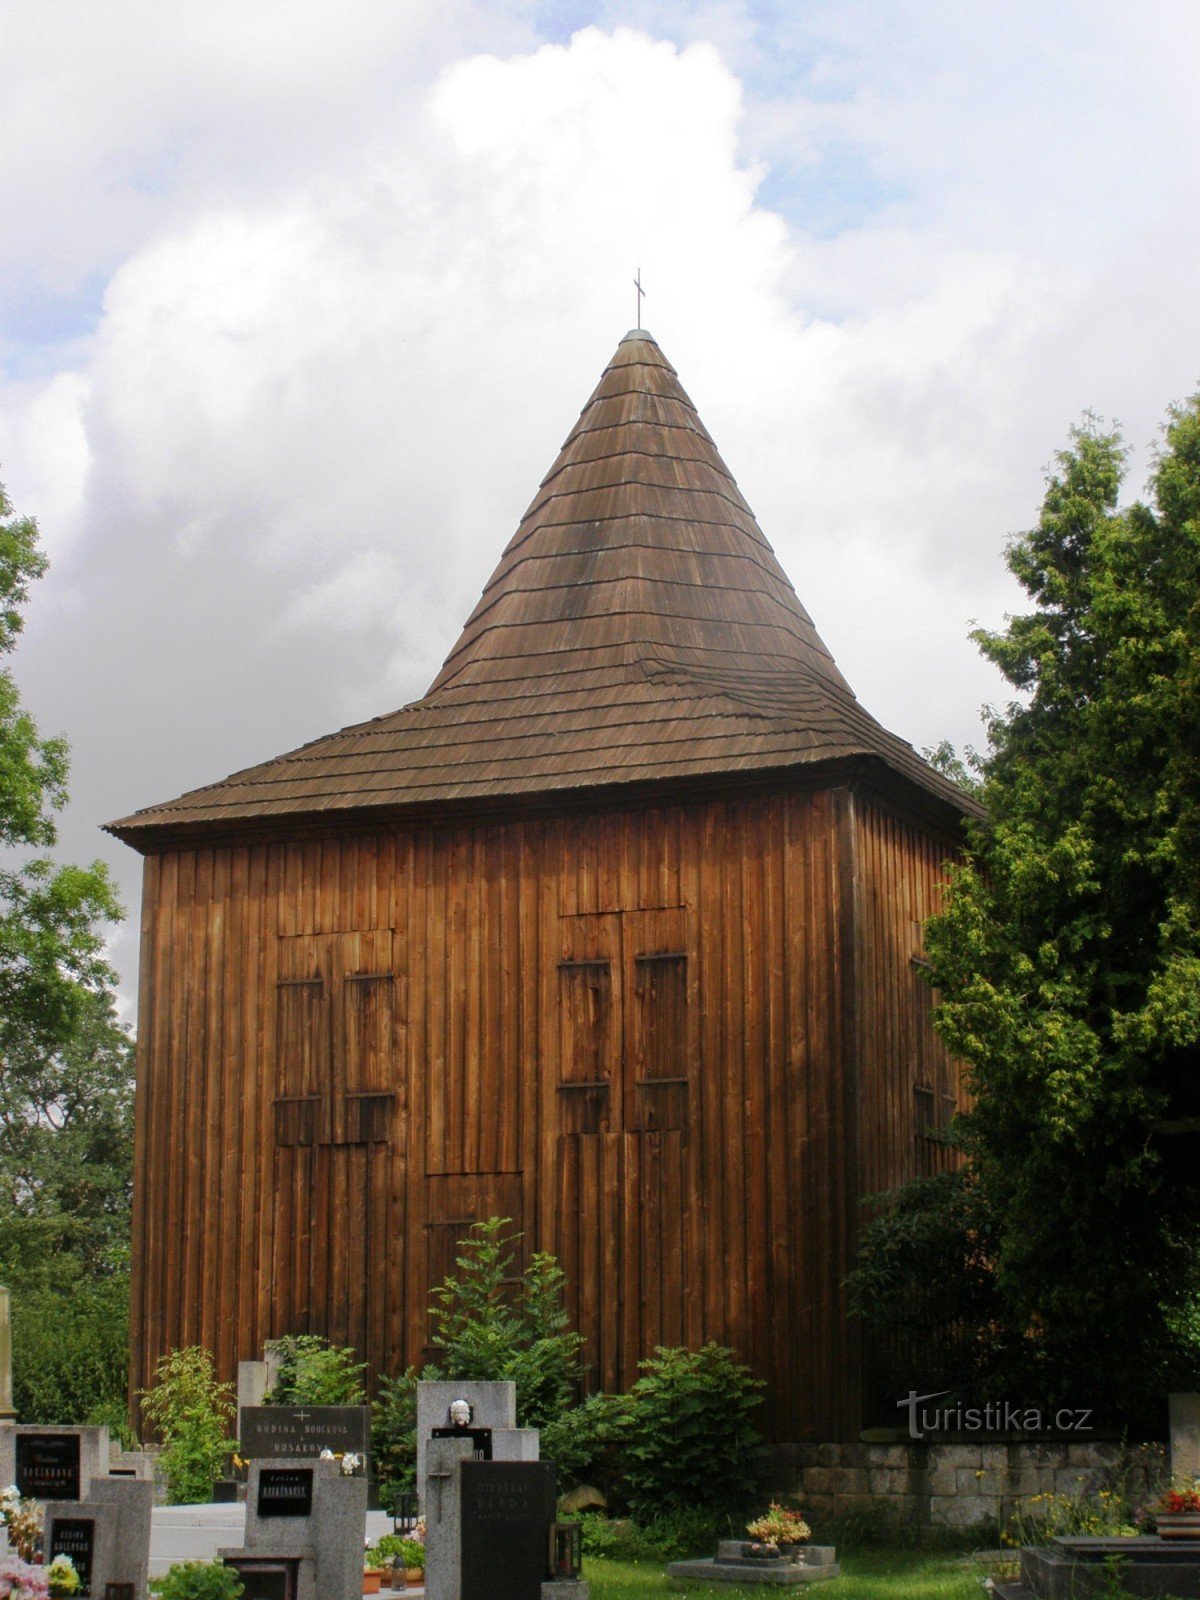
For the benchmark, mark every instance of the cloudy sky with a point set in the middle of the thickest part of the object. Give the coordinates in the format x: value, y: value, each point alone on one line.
x: 300, y: 300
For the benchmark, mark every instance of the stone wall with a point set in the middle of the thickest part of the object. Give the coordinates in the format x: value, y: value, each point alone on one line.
x: 955, y: 1486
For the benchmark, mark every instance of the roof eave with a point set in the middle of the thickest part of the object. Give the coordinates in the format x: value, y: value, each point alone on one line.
x: 942, y: 807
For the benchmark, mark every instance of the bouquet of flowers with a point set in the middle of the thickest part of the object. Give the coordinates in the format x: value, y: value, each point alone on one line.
x: 63, y: 1577
x: 23, y: 1519
x: 1184, y: 1496
x: 19, y: 1581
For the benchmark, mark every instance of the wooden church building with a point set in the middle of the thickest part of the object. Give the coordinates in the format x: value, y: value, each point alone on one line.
x: 614, y: 932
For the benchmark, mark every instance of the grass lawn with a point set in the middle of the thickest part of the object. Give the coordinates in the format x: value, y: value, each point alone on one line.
x: 866, y: 1575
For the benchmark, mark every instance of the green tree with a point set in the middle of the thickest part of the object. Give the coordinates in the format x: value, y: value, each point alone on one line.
x: 51, y: 943
x: 191, y: 1413
x: 1067, y: 957
x: 486, y: 1325
x: 66, y: 1154
x: 312, y: 1372
x: 66, y: 1085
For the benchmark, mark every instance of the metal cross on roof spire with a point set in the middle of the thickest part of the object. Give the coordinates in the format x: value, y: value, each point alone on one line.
x: 637, y: 283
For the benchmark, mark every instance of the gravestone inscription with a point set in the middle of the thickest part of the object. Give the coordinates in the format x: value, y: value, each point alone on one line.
x: 47, y: 1466
x: 507, y: 1511
x: 120, y: 1591
x: 270, y: 1431
x: 285, y: 1492
x: 76, y: 1537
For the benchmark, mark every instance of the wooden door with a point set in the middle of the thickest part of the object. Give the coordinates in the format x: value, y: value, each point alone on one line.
x: 339, y: 1070
x: 627, y: 1044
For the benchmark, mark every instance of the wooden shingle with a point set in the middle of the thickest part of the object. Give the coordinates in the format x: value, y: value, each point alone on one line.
x: 638, y: 629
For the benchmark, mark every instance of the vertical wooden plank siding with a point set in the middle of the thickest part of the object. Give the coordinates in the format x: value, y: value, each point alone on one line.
x: 902, y: 1063
x: 673, y: 1043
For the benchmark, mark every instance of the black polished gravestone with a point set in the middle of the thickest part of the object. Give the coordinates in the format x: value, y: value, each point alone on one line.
x: 75, y: 1537
x: 266, y: 1580
x: 481, y: 1439
x: 266, y: 1431
x: 47, y: 1466
x: 285, y: 1492
x: 507, y: 1510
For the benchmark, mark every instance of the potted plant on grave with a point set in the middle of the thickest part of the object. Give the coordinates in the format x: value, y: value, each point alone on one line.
x: 1177, y: 1510
x: 412, y: 1554
x: 375, y: 1569
x: 779, y: 1531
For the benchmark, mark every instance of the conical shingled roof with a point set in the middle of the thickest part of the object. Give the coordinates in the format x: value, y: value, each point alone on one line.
x: 637, y: 629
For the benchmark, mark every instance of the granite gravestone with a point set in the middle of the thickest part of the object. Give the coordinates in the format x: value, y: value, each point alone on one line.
x: 1184, y: 1413
x: 52, y: 1463
x: 443, y: 1522
x: 7, y: 1414
x: 508, y: 1508
x: 305, y: 1526
x: 493, y: 1405
x: 107, y: 1533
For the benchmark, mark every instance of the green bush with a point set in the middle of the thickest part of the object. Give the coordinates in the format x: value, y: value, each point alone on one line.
x: 198, y: 1580
x: 395, y: 1546
x: 313, y: 1372
x: 586, y: 1442
x: 671, y: 1537
x: 483, y: 1329
x: 394, y: 1436
x: 691, y: 1440
x: 71, y: 1354
x: 191, y: 1413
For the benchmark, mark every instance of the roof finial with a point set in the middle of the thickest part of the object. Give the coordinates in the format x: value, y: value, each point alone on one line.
x: 637, y: 283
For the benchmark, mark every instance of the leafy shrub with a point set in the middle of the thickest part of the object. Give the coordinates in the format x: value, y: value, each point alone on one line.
x: 671, y: 1537
x: 691, y: 1439
x: 394, y: 1435
x: 198, y: 1580
x: 313, y: 1372
x: 71, y: 1354
x: 486, y: 1330
x: 393, y: 1546
x: 191, y: 1412
x: 585, y: 1443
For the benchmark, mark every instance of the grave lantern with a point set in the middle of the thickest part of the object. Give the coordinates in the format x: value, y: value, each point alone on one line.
x: 405, y: 1514
x: 566, y: 1549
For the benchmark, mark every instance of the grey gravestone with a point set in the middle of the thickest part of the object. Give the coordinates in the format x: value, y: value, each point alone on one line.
x: 271, y: 1431
x: 107, y: 1535
x: 507, y: 1510
x: 443, y: 1520
x: 52, y: 1463
x: 305, y: 1526
x: 493, y: 1405
x: 812, y: 1563
x: 7, y: 1414
x: 1184, y: 1410
x: 515, y: 1444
